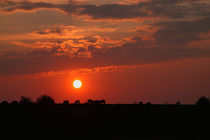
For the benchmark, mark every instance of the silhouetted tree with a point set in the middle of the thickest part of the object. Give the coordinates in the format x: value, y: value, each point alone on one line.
x: 178, y: 103
x: 45, y: 99
x: 140, y: 103
x: 148, y: 103
x: 4, y: 102
x: 25, y: 100
x: 14, y: 102
x: 100, y: 102
x: 203, y: 101
x: 90, y: 101
x: 66, y: 102
x: 77, y: 102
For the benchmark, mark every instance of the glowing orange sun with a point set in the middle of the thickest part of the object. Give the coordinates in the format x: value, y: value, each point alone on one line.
x: 77, y: 84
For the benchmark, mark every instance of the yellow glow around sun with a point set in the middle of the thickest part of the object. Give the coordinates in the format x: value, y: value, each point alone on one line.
x: 77, y: 83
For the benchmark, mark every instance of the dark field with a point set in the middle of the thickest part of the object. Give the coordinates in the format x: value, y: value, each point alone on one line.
x: 124, y: 122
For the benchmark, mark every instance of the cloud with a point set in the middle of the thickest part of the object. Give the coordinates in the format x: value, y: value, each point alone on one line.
x: 162, y: 41
x: 60, y: 32
x: 8, y: 5
x: 142, y: 9
x: 70, y: 31
x: 137, y: 52
x: 182, y: 32
x: 64, y: 73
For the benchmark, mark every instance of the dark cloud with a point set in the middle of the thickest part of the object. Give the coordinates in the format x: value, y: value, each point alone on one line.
x: 42, y: 60
x: 168, y: 42
x: 24, y: 5
x: 153, y: 8
x: 182, y: 32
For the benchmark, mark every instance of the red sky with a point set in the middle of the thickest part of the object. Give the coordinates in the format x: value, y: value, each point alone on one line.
x: 124, y: 51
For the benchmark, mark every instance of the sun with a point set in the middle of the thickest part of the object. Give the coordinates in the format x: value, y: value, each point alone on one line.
x: 77, y: 84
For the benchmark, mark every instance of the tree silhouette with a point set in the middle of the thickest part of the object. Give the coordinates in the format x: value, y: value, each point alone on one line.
x: 100, y: 102
x: 25, y: 100
x: 77, y: 102
x: 90, y: 101
x: 148, y: 103
x: 4, y: 102
x: 14, y: 102
x: 45, y: 99
x: 66, y: 102
x: 140, y: 103
x: 178, y: 103
x: 203, y: 101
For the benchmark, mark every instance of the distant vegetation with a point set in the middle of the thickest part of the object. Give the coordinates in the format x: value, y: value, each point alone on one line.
x: 47, y: 100
x: 203, y: 101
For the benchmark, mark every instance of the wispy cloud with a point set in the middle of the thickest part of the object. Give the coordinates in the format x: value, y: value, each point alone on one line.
x: 65, y: 73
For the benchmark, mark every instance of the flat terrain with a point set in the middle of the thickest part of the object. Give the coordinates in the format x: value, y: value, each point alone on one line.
x: 125, y: 122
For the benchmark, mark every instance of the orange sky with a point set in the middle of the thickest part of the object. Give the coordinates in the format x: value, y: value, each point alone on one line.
x: 124, y: 51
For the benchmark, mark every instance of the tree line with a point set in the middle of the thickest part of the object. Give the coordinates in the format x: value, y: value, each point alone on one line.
x: 47, y: 100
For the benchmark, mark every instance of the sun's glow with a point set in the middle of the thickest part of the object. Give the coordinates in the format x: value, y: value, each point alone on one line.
x: 77, y: 83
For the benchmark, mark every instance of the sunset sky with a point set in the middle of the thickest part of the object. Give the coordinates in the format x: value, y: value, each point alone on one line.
x: 123, y: 51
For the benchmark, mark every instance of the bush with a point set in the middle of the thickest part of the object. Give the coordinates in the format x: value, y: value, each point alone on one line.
x: 14, y: 102
x: 77, y: 102
x: 45, y: 99
x: 203, y: 101
x: 25, y: 100
x: 66, y: 102
x: 4, y: 103
x: 148, y: 103
x: 140, y: 103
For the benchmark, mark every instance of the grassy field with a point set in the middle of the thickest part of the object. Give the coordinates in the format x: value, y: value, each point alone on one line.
x: 107, y: 121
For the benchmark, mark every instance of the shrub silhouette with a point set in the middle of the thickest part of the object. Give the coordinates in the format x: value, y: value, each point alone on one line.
x: 148, y: 103
x: 203, y: 101
x: 4, y: 102
x: 77, y: 102
x: 100, y: 102
x: 90, y: 101
x: 45, y: 99
x: 140, y: 103
x: 25, y: 100
x: 66, y: 102
x: 178, y: 103
x: 14, y: 102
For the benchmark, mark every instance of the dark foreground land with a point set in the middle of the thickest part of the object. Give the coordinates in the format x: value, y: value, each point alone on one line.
x: 124, y: 122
